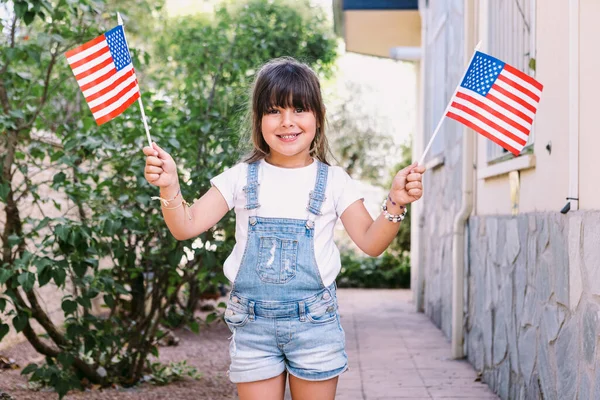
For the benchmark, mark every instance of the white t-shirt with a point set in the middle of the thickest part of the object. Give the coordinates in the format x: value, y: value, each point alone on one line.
x: 283, y: 193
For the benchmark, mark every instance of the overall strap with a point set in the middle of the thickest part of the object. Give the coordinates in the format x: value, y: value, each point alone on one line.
x: 251, y: 187
x: 317, y: 195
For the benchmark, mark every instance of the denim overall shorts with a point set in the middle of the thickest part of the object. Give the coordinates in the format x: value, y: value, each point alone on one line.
x: 281, y: 315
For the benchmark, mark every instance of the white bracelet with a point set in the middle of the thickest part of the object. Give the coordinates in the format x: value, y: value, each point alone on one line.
x: 391, y: 217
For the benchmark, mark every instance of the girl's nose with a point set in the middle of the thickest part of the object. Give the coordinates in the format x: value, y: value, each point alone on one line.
x: 287, y: 119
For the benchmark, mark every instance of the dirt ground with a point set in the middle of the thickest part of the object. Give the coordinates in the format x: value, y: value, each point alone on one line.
x: 207, y: 351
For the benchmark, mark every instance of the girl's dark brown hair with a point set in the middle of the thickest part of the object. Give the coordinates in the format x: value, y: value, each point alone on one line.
x: 285, y: 82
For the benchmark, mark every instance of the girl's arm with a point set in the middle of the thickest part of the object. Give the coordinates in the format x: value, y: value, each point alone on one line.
x: 373, y: 237
x: 183, y: 222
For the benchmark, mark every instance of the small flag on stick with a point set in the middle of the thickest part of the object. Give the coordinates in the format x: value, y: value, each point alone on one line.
x: 105, y: 74
x: 498, y: 101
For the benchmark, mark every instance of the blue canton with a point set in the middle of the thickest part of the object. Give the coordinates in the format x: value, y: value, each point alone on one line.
x: 118, y: 47
x: 482, y: 73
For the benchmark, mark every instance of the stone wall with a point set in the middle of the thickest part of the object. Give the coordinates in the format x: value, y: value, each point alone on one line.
x: 534, y: 303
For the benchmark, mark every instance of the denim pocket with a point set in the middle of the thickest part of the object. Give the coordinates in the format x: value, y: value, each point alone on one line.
x: 235, y: 319
x: 277, y: 260
x: 322, y: 312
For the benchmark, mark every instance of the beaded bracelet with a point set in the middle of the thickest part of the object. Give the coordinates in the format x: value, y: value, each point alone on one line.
x: 391, y: 217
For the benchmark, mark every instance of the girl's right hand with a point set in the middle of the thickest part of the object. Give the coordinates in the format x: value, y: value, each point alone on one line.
x: 160, y: 168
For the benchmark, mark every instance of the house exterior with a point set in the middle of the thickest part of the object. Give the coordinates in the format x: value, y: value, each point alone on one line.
x: 513, y: 282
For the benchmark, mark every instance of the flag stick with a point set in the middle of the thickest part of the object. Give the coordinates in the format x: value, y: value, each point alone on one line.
x: 120, y: 21
x: 439, y: 125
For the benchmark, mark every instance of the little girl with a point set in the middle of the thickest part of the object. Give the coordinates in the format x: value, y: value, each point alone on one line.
x: 283, y: 309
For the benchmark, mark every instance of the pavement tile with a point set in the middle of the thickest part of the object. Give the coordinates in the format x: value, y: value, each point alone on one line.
x: 396, y: 353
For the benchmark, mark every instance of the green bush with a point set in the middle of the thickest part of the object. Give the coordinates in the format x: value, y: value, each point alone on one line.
x: 388, y: 271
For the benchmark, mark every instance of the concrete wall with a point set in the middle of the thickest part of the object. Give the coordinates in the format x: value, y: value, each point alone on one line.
x: 534, y: 304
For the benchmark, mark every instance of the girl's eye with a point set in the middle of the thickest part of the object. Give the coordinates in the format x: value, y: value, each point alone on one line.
x: 299, y: 109
x: 272, y: 111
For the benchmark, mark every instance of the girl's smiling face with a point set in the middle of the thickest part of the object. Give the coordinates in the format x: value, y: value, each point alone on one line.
x: 289, y: 132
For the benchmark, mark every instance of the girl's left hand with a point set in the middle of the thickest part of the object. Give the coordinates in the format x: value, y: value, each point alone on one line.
x: 407, y: 185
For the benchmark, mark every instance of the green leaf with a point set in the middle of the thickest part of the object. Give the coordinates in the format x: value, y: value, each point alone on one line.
x: 80, y: 269
x: 20, y: 321
x: 109, y: 300
x: 59, y: 276
x: 4, y: 328
x: 85, y: 302
x: 5, y: 274
x: 29, y: 369
x: 65, y: 359
x: 62, y: 231
x: 211, y: 317
x: 44, y: 276
x: 195, y: 327
x: 2, y: 306
x: 59, y: 178
x: 69, y: 306
x: 4, y: 189
x: 43, y: 223
x: 13, y: 240
x: 27, y: 280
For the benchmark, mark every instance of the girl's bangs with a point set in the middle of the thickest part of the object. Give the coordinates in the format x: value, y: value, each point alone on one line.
x: 287, y: 93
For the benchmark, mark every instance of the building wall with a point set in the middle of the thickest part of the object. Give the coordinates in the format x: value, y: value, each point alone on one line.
x: 376, y: 32
x: 546, y: 186
x: 442, y: 183
x: 532, y: 280
x: 589, y: 139
x: 534, y: 303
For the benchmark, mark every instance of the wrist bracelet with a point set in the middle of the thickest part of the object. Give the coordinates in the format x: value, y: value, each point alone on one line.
x: 165, y: 201
x: 391, y: 217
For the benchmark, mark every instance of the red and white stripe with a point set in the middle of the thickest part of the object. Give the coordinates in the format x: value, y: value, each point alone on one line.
x: 505, y: 114
x: 107, y: 91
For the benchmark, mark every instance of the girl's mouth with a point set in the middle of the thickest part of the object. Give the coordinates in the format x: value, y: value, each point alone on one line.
x: 290, y: 137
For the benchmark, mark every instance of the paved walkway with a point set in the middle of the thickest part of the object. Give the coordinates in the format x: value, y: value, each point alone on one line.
x: 397, y: 353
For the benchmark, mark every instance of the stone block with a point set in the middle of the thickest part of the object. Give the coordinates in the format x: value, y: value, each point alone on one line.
x: 513, y: 242
x: 567, y: 360
x: 546, y: 370
x: 550, y: 322
x: 532, y: 265
x: 531, y: 219
x: 543, y: 234
x: 503, y: 380
x: 531, y: 310
x: 532, y: 389
x: 545, y: 281
x: 590, y: 332
x: 527, y: 343
x: 500, y: 340
x: 584, y: 387
x: 487, y: 337
x: 591, y: 251
x: 491, y: 228
x: 575, y: 260
x: 560, y: 259
x: 597, y: 380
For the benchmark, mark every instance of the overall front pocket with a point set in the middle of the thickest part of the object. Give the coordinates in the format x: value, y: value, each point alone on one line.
x: 235, y: 319
x: 277, y: 259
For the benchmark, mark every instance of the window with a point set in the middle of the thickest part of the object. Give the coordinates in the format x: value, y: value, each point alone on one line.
x: 511, y: 38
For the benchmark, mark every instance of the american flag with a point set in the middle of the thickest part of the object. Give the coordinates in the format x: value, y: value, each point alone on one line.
x: 498, y: 101
x: 105, y: 74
